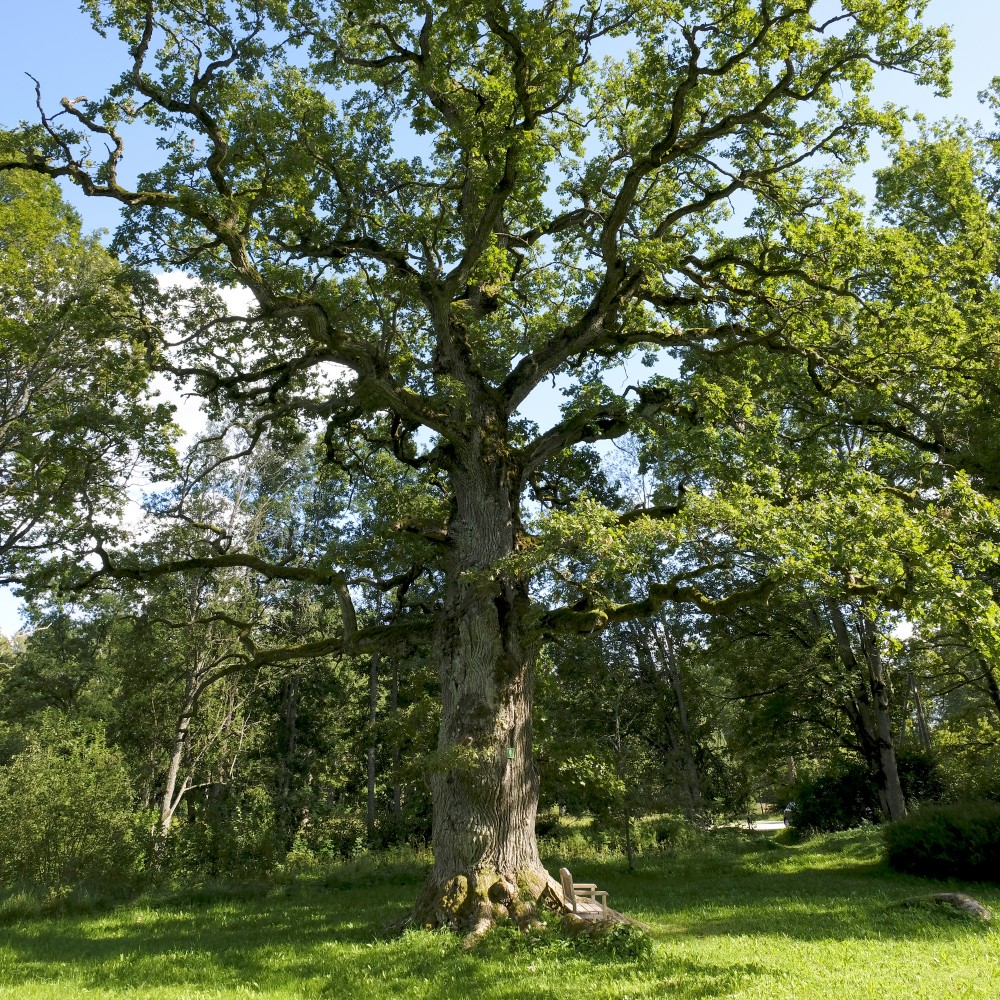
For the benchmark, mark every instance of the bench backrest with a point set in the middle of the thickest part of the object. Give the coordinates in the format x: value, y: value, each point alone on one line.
x: 567, y: 887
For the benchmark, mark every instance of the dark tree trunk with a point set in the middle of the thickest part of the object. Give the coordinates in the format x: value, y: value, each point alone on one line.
x: 890, y: 790
x: 291, y: 695
x: 620, y: 755
x: 629, y: 846
x: 671, y: 663
x: 484, y: 784
x: 663, y: 676
x: 992, y: 687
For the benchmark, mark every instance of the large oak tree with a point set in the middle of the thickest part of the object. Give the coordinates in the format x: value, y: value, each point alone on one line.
x: 456, y: 202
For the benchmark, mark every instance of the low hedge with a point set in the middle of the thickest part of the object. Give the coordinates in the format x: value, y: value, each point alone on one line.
x: 960, y: 840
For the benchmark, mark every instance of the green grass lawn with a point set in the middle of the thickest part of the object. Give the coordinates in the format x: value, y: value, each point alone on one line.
x: 750, y: 919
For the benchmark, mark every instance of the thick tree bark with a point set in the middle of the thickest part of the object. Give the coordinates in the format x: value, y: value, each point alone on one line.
x: 887, y: 776
x: 484, y: 785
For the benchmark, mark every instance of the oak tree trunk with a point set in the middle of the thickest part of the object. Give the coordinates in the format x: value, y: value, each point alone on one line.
x: 484, y: 784
x: 887, y: 776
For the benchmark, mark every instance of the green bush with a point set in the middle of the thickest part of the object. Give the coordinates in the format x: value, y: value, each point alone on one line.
x: 573, y: 837
x: 67, y: 814
x: 551, y: 937
x: 225, y: 831
x: 920, y: 777
x: 327, y: 842
x: 960, y: 840
x: 836, y: 801
x: 968, y: 753
x: 547, y: 824
x: 847, y: 796
x: 671, y: 833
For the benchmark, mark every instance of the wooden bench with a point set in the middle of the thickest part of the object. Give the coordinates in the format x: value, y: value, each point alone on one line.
x: 591, y: 906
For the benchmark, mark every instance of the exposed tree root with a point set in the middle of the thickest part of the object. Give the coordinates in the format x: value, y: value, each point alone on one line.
x: 472, y: 904
x: 958, y: 902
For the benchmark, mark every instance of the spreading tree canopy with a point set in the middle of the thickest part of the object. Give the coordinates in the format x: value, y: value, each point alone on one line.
x: 452, y: 204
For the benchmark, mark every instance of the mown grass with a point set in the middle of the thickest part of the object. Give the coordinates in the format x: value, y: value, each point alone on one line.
x: 743, y: 917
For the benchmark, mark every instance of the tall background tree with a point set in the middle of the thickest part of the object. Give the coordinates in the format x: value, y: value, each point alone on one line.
x: 77, y: 415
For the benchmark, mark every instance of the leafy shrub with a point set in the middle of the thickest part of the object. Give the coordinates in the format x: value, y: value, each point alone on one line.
x: 67, y: 814
x: 920, y: 777
x: 328, y: 842
x: 552, y: 937
x: 547, y: 824
x: 671, y: 833
x: 968, y: 753
x: 621, y: 941
x: 595, y: 837
x: 37, y: 902
x: 959, y: 840
x: 836, y: 801
x: 848, y: 796
x: 225, y: 831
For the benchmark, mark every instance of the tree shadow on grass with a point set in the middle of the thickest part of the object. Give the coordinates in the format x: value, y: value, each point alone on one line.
x: 764, y: 889
x: 305, y: 950
x: 322, y: 938
x: 430, y: 964
x: 194, y: 943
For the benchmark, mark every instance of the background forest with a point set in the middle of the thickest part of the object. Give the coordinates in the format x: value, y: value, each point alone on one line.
x: 140, y: 740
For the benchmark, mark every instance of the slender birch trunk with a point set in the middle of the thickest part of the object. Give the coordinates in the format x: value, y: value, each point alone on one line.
x: 172, y: 795
x: 372, y: 717
x: 397, y: 788
x: 869, y: 707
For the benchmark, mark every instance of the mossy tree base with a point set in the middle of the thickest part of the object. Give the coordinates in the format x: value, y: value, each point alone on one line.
x: 472, y: 904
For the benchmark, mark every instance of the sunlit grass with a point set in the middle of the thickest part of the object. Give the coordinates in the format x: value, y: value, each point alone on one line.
x: 746, y: 919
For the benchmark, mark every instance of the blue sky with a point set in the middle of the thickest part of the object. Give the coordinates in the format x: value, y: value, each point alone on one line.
x: 53, y: 41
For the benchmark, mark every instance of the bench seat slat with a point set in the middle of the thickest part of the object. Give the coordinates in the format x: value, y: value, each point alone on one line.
x: 592, y: 904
